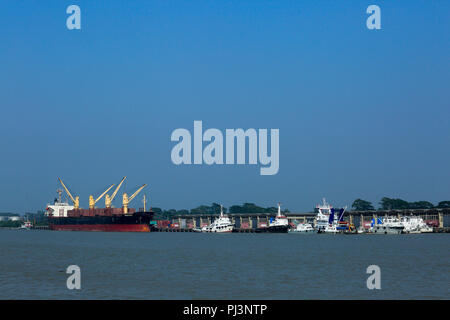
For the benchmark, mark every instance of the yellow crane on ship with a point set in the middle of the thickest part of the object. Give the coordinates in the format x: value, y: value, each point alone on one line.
x: 108, y: 199
x: 76, y: 200
x: 126, y: 200
x: 92, y: 202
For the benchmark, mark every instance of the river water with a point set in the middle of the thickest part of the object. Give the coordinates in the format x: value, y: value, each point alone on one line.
x: 222, y: 266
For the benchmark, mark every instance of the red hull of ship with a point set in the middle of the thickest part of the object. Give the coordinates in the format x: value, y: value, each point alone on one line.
x: 102, y: 227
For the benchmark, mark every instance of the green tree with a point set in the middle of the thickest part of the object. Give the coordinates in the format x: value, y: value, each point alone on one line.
x: 443, y: 204
x: 390, y: 204
x: 421, y: 205
x: 362, y: 205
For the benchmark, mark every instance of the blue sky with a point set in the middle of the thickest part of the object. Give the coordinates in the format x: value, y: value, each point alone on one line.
x: 362, y: 113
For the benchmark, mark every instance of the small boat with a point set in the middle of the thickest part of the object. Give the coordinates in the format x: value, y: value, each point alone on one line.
x: 303, y: 228
x: 220, y: 225
x: 25, y: 226
x: 415, y: 224
x: 388, y: 225
x: 278, y: 225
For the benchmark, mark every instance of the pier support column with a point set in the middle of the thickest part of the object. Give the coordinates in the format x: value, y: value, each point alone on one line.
x: 351, y: 219
x: 361, y: 221
x: 375, y: 219
x: 240, y: 222
x: 194, y: 224
x: 201, y: 222
x: 441, y: 220
x: 257, y: 222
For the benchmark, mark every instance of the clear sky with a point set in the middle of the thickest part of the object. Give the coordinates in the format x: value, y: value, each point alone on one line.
x: 362, y: 113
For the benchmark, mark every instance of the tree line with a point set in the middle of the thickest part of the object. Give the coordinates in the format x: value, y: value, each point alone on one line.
x: 214, y: 208
x: 397, y: 204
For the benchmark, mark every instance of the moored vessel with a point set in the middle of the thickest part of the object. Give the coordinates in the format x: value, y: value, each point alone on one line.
x: 222, y: 224
x: 327, y: 221
x: 388, y: 225
x: 278, y: 225
x: 415, y: 224
x: 65, y: 217
x: 303, y: 228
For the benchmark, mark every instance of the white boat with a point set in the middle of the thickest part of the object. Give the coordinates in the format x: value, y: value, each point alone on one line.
x: 278, y: 225
x: 303, y: 228
x: 426, y: 228
x: 326, y: 220
x: 221, y: 225
x: 415, y: 224
x: 387, y: 225
x: 361, y: 230
x: 27, y: 225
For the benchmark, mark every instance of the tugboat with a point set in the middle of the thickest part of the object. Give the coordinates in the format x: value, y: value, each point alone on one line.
x: 279, y: 225
x: 220, y: 225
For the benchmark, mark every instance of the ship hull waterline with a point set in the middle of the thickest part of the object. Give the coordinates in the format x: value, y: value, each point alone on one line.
x: 137, y: 222
x: 102, y: 227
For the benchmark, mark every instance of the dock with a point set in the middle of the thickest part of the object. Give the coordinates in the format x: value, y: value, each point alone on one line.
x: 249, y: 222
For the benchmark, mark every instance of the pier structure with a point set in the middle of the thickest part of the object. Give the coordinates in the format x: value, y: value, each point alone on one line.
x: 245, y: 222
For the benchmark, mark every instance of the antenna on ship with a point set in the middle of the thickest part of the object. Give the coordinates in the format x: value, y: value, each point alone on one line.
x: 144, y: 201
x: 59, y: 192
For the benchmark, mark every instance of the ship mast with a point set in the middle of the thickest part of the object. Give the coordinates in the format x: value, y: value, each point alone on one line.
x: 59, y: 192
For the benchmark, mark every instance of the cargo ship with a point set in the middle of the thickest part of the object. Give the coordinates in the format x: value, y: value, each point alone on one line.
x: 65, y: 217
